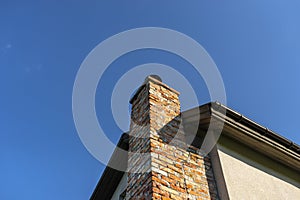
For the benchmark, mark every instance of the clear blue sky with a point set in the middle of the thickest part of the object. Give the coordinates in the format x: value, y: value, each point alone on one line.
x: 255, y: 44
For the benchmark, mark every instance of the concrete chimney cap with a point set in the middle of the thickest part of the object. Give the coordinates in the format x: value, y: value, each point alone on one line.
x: 154, y: 76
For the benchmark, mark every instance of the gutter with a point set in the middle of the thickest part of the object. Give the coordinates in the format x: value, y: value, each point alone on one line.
x: 257, y: 127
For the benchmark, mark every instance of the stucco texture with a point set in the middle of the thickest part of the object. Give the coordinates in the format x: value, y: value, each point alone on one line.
x: 247, y: 179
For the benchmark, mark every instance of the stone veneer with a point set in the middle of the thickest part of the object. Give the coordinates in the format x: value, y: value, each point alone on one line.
x: 161, y: 165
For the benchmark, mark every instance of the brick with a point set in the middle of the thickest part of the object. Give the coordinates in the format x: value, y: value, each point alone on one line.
x: 174, y: 172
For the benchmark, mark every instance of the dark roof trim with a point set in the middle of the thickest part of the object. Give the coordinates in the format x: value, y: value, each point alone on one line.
x: 110, y: 178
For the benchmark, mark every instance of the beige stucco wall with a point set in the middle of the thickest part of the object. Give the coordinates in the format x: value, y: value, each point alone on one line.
x: 121, y: 187
x: 251, y: 175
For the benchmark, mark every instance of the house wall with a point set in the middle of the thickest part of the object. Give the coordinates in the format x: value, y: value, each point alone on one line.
x: 251, y: 175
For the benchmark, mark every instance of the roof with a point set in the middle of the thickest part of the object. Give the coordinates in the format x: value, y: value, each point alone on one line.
x: 236, y: 126
x: 242, y: 129
x: 111, y: 177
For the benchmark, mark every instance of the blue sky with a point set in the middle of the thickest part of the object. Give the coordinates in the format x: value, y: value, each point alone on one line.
x: 255, y: 45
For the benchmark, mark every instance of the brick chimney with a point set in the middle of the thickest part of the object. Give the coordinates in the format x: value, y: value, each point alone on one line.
x: 161, y: 165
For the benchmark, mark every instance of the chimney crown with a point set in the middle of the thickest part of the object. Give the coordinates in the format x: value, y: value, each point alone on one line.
x: 152, y: 78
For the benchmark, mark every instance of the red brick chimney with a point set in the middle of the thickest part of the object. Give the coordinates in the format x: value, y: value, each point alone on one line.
x: 161, y: 165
